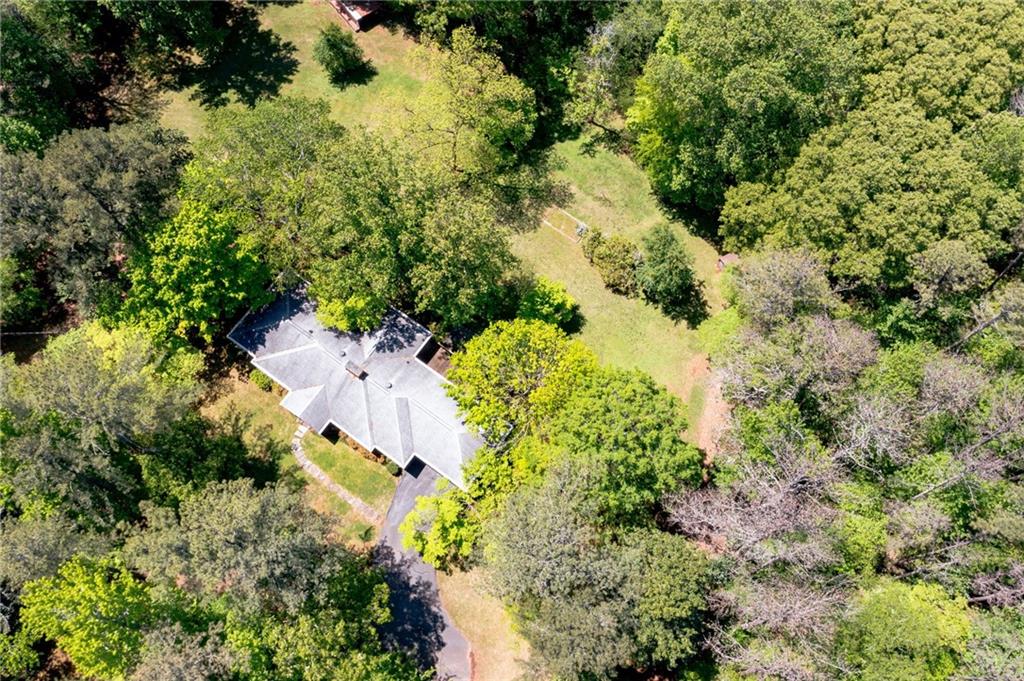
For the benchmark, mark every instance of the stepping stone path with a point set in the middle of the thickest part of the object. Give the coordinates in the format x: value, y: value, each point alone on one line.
x: 360, y: 506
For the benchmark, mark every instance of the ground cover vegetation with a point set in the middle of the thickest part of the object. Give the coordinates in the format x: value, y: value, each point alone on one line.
x: 860, y: 517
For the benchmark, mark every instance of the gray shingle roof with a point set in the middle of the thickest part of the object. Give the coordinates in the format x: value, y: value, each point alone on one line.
x: 370, y: 385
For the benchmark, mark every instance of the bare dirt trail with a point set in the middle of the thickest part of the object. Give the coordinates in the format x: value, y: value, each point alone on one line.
x: 713, y: 418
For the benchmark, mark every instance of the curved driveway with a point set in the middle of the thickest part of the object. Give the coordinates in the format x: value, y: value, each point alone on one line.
x: 420, y: 625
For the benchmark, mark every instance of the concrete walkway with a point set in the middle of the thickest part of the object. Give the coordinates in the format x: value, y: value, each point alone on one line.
x: 420, y: 625
x: 360, y: 506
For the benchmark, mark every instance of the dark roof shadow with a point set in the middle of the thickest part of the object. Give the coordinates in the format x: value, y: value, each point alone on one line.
x: 397, y: 332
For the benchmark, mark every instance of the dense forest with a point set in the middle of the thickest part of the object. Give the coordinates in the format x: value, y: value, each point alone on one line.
x: 861, y: 513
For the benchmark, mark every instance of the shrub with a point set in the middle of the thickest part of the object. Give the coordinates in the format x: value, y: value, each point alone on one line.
x: 592, y: 240
x: 616, y: 259
x: 261, y: 380
x: 548, y: 301
x: 337, y: 51
x: 667, y: 279
x: 393, y: 468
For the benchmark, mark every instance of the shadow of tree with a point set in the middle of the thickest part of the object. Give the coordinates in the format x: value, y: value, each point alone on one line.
x: 358, y: 75
x: 416, y: 624
x: 253, y: 63
x: 692, y: 308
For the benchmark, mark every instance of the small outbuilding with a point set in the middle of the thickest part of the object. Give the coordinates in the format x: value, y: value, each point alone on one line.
x: 358, y: 15
x: 726, y: 260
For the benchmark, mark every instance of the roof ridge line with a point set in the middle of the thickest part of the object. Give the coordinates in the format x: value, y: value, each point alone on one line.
x: 285, y: 352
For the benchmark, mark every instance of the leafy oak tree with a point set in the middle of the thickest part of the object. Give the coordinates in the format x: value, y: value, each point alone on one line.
x: 93, y: 198
x: 257, y: 165
x: 887, y: 155
x: 630, y: 429
x: 473, y: 118
x: 733, y: 90
x: 536, y: 41
x: 197, y: 546
x: 515, y: 374
x: 964, y: 59
x: 902, y: 632
x: 95, y: 610
x: 195, y: 272
x: 73, y: 417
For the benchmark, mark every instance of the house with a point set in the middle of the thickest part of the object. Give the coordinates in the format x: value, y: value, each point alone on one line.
x: 383, y: 389
x: 726, y: 260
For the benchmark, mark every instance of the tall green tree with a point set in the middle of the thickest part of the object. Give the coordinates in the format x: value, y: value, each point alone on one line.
x: 901, y: 632
x: 955, y: 59
x: 255, y: 547
x: 735, y: 88
x: 871, y: 193
x: 92, y: 199
x: 604, y: 77
x: 257, y: 164
x: 630, y: 429
x: 195, y: 271
x: 515, y: 374
x: 667, y: 278
x: 73, y: 417
x: 461, y: 263
x: 536, y: 41
x: 473, y: 118
x: 95, y: 610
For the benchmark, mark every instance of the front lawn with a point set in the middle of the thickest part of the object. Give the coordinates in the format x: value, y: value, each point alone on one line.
x: 368, y: 480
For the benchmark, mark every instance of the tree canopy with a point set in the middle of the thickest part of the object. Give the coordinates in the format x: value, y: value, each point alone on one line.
x: 91, y: 199
x: 870, y: 194
x: 955, y: 59
x: 195, y: 270
x: 733, y: 89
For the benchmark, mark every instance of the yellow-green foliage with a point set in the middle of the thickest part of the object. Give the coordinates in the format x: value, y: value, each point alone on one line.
x: 95, y: 610
x: 901, y: 632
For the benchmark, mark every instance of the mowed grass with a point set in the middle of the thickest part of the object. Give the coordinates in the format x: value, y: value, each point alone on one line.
x: 612, y: 194
x: 397, y: 80
x: 265, y: 412
x: 496, y: 648
x: 624, y: 332
x: 368, y: 480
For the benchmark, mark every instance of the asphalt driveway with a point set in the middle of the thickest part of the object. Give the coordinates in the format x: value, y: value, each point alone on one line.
x: 420, y: 625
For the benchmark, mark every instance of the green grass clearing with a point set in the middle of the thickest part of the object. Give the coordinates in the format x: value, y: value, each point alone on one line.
x: 398, y: 77
x: 368, y: 480
x: 612, y: 194
x: 624, y: 332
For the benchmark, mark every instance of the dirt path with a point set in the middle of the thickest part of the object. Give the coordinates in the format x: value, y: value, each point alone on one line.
x: 357, y: 504
x: 713, y: 418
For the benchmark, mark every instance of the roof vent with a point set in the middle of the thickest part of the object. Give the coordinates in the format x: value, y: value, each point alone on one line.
x: 388, y: 385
